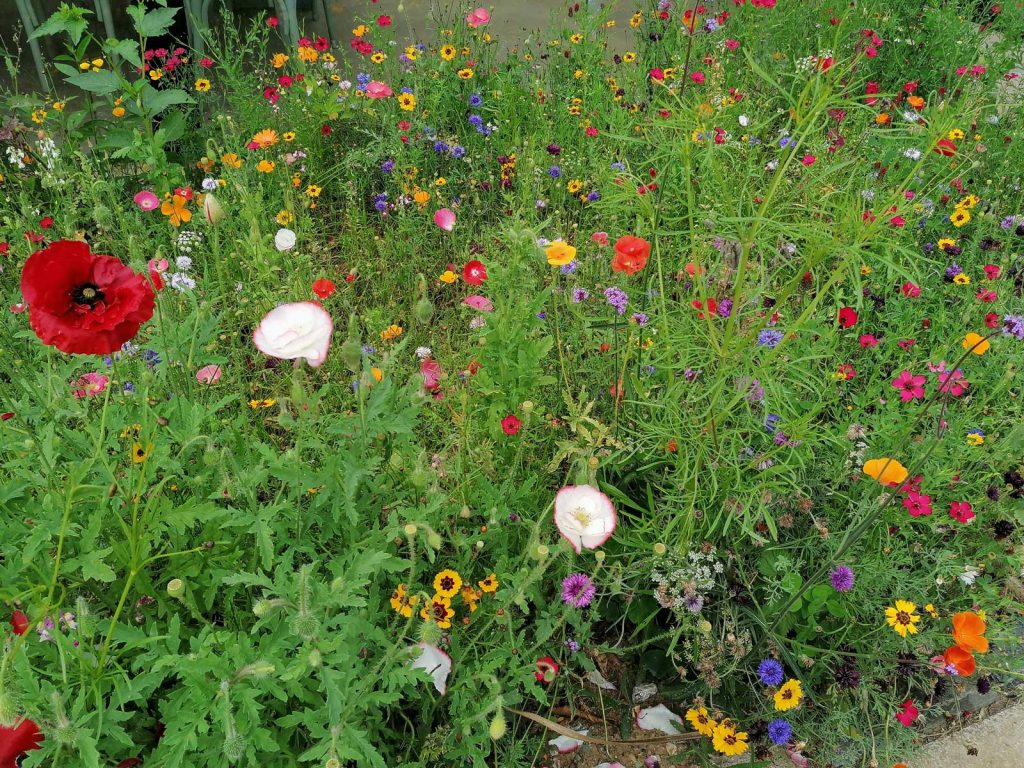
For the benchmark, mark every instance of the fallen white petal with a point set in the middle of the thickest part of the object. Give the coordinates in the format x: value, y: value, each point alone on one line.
x: 436, y: 662
x: 659, y: 718
x: 566, y: 744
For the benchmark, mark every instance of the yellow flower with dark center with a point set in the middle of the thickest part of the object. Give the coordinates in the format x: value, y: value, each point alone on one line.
x: 407, y: 101
x: 288, y: 136
x: 447, y: 52
x: 313, y: 190
x: 955, y: 135
x: 261, y: 404
x: 931, y: 611
x: 402, y: 602
x: 903, y: 618
x: 490, y: 584
x: 962, y: 279
x: 140, y: 453
x: 284, y: 218
x: 574, y: 186
x: 466, y: 73
x: 378, y: 57
x: 439, y: 610
x: 574, y: 109
x: 727, y: 740
x: 202, y: 85
x: 636, y: 20
x: 447, y: 583
x: 629, y: 57
x: 701, y: 721
x: 788, y: 696
x: 969, y: 202
x: 440, y: 181
x: 576, y: 38
x: 959, y: 218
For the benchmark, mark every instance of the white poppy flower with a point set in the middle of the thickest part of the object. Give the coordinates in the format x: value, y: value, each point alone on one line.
x: 436, y: 663
x: 584, y: 516
x: 566, y: 744
x: 659, y: 718
x: 293, y: 331
x: 284, y: 240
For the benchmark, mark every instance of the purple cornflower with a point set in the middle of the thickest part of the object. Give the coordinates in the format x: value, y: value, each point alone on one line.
x: 780, y: 731
x: 640, y: 318
x: 780, y: 438
x: 475, y: 100
x: 770, y: 672
x: 568, y: 269
x: 1013, y: 325
x: 578, y: 590
x: 842, y: 579
x: 769, y: 337
x: 953, y: 270
x: 725, y: 307
x: 617, y: 298
x: 388, y: 165
x: 580, y: 294
x: 458, y: 152
x: 753, y: 388
x: 554, y: 172
x: 476, y: 120
x: 593, y: 197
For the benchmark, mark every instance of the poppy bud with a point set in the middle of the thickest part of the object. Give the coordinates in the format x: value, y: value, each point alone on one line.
x: 498, y: 726
x: 8, y: 711
x: 423, y: 311
x: 410, y: 529
x: 351, y: 350
x: 434, y: 539
x: 258, y: 670
x: 212, y: 209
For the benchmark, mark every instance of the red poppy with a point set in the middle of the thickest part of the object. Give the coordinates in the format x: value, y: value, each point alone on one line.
x: 847, y: 317
x: 81, y: 302
x: 511, y: 425
x: 474, y: 272
x: 4, y: 248
x: 19, y: 622
x: 323, y: 287
x: 631, y: 254
x: 46, y: 222
x: 15, y: 742
x: 945, y: 147
x: 908, y: 714
x: 547, y: 670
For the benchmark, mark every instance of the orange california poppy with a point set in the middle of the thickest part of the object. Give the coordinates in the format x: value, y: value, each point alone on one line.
x: 962, y: 661
x: 886, y: 471
x: 968, y: 632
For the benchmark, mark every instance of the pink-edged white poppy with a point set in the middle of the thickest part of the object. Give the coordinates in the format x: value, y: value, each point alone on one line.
x: 212, y: 209
x: 584, y: 516
x: 609, y: 765
x: 435, y: 663
x: 478, y: 17
x: 378, y: 90
x: 567, y: 744
x: 479, y: 302
x: 208, y: 374
x: 445, y: 219
x: 659, y: 718
x: 284, y: 240
x: 147, y: 200
x: 797, y: 757
x: 296, y: 331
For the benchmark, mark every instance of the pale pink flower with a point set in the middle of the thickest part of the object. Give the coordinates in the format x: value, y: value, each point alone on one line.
x: 445, y: 219
x: 478, y: 18
x: 378, y: 90
x: 296, y: 331
x: 208, y: 374
x: 89, y: 384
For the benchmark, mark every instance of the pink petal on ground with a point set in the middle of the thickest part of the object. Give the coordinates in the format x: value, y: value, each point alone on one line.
x: 208, y: 374
x: 436, y: 663
x: 479, y: 302
x: 445, y: 219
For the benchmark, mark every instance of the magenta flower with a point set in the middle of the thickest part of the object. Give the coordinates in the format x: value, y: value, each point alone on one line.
x: 911, y: 387
x: 961, y: 511
x: 953, y: 382
x: 578, y: 590
x: 918, y: 504
x: 146, y: 200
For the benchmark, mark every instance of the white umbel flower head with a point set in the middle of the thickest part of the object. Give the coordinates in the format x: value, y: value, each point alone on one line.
x: 584, y: 516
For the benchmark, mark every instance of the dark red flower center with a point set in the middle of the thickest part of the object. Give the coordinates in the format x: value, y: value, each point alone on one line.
x: 447, y: 583
x: 440, y: 611
x: 87, y: 294
x: 903, y: 617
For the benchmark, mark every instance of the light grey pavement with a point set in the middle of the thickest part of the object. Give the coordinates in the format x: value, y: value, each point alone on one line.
x: 999, y: 741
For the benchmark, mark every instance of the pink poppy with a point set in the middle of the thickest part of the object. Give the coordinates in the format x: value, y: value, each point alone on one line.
x: 378, y: 90
x: 89, y: 384
x: 479, y: 302
x: 601, y: 238
x: 147, y: 201
x: 478, y: 18
x: 911, y: 387
x: 445, y: 219
x: 208, y: 374
x: 431, y: 373
x: 910, y: 290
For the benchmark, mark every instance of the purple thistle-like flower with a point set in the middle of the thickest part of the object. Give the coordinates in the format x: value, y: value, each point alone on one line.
x: 640, y: 318
x: 953, y: 270
x: 725, y: 307
x: 842, y: 579
x: 693, y: 602
x: 770, y: 672
x: 1013, y: 325
x: 578, y: 590
x: 580, y: 294
x: 770, y: 338
x: 617, y: 298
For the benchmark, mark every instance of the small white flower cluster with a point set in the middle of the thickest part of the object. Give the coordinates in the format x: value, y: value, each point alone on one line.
x: 683, y: 584
x: 16, y: 157
x: 188, y: 240
x: 48, y: 151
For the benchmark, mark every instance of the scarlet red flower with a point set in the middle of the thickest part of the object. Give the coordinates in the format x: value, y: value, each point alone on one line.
x: 46, y: 222
x: 511, y: 425
x: 474, y: 272
x: 15, y: 742
x: 19, y: 622
x: 945, y: 147
x: 84, y: 303
x: 323, y: 287
x: 908, y: 714
x: 631, y: 254
x: 547, y: 670
x: 847, y: 317
x: 272, y: 21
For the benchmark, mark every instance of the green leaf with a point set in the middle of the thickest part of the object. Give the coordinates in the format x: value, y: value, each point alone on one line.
x: 101, y: 83
x: 156, y: 22
x: 92, y: 566
x: 67, y: 18
x: 126, y: 49
x: 155, y: 101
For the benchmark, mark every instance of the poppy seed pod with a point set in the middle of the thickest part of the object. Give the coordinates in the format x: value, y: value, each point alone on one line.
x: 175, y: 587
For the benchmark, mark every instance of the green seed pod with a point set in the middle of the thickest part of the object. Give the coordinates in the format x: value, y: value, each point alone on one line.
x: 498, y: 726
x: 352, y: 350
x: 175, y: 587
x: 423, y: 311
x: 434, y: 540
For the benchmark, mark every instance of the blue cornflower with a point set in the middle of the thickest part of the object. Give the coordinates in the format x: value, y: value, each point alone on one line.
x: 440, y: 146
x: 554, y: 172
x: 593, y: 196
x: 475, y: 100
x: 476, y: 120
x: 458, y: 152
x: 388, y: 165
x: 568, y: 269
x: 770, y: 421
x: 770, y: 672
x: 780, y: 731
x: 618, y: 166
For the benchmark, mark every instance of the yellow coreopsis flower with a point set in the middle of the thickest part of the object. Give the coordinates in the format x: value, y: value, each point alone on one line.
x: 903, y: 618
x: 727, y: 740
x: 788, y: 696
x: 447, y: 583
x: 701, y: 721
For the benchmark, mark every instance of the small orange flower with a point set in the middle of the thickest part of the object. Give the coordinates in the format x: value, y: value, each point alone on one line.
x: 886, y: 471
x: 962, y: 661
x: 176, y: 210
x: 968, y: 632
